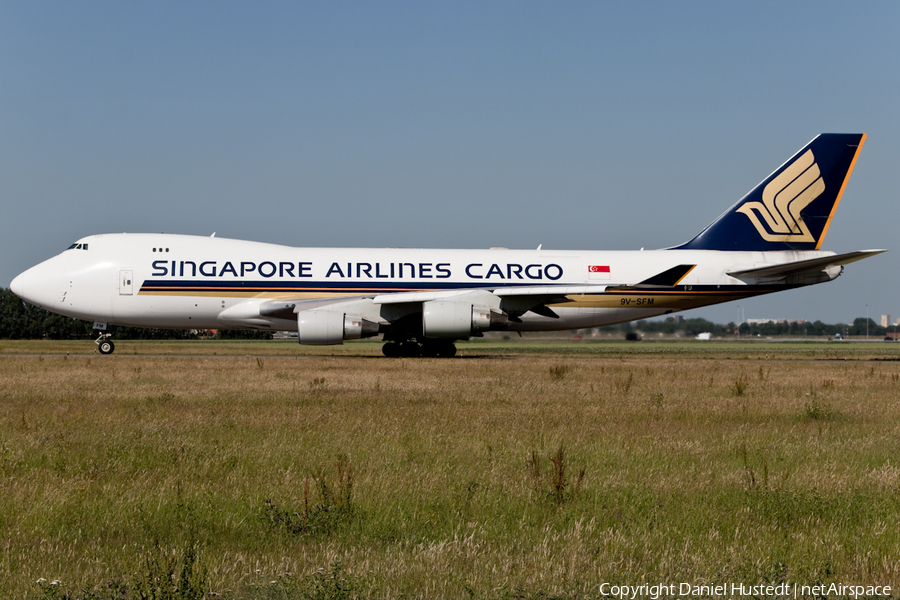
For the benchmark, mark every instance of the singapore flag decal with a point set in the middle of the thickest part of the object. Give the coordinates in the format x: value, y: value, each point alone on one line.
x: 598, y: 272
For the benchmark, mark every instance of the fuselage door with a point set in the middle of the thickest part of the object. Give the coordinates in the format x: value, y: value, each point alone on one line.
x: 125, y: 286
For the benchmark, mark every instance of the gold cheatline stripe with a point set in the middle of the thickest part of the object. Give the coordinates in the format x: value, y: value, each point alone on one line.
x: 687, y: 292
x: 841, y: 192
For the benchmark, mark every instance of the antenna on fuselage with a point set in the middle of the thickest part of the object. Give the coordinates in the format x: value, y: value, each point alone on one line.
x: 213, y: 235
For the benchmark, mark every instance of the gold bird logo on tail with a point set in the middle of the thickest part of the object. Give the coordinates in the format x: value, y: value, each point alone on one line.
x: 783, y: 199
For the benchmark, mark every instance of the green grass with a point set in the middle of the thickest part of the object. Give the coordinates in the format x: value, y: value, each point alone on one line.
x: 523, y: 468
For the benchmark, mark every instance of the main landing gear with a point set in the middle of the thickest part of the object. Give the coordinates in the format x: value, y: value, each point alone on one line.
x: 427, y: 349
x: 105, y: 344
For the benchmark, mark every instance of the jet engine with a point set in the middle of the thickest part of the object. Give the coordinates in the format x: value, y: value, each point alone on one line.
x: 458, y: 320
x: 328, y: 327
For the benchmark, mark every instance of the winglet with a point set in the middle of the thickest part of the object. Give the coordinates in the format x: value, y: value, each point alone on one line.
x: 670, y: 277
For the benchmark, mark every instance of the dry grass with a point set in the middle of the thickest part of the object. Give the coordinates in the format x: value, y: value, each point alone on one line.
x: 478, y: 476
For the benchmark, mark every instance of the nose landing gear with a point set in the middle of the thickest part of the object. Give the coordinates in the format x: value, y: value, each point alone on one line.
x: 105, y: 344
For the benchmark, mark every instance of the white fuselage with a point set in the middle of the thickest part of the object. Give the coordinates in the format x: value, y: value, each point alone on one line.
x: 192, y: 282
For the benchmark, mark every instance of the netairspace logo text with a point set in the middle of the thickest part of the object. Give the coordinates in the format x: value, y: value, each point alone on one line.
x: 738, y: 590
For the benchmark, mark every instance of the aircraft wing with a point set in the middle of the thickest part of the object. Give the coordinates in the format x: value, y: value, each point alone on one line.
x: 550, y: 291
x: 801, y: 267
x: 515, y: 300
x: 523, y: 298
x: 542, y: 294
x: 287, y: 308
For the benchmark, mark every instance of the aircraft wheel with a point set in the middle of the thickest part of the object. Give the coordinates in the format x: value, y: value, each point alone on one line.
x: 431, y: 350
x: 446, y: 350
x: 410, y: 350
x: 106, y: 347
x: 391, y: 350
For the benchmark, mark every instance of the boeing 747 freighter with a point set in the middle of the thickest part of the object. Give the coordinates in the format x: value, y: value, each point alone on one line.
x: 422, y: 300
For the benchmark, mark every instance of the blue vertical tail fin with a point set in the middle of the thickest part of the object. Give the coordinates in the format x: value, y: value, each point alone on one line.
x: 792, y: 208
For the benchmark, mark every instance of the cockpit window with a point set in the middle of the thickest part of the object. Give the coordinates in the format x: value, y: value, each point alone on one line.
x: 77, y: 246
x: 72, y: 247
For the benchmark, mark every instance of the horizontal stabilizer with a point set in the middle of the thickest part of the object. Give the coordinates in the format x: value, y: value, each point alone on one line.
x: 804, y: 266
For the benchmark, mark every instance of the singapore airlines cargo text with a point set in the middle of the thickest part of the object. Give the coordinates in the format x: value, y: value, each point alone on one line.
x: 735, y: 590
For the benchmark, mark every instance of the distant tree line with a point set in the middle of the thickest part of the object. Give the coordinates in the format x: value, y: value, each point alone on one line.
x: 692, y: 327
x: 22, y: 321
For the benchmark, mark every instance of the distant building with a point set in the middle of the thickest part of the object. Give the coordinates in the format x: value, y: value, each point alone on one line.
x: 885, y: 320
x: 777, y: 321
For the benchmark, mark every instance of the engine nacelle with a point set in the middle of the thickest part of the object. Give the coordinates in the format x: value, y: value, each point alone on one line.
x: 328, y: 327
x: 457, y: 320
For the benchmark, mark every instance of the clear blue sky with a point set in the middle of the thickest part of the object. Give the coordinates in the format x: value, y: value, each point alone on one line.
x: 576, y: 125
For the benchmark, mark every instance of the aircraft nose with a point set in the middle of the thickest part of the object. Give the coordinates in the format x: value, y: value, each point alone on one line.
x: 18, y: 286
x: 39, y: 285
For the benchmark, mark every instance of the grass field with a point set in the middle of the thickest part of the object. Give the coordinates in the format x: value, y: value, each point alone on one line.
x: 521, y: 469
